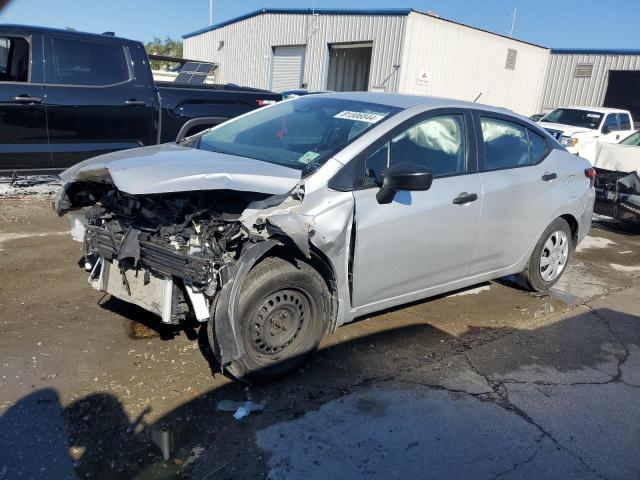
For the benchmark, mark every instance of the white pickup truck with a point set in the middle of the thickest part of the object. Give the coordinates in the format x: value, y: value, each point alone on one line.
x: 577, y: 125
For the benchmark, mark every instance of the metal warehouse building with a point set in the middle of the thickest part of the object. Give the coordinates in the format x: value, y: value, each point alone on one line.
x: 406, y: 51
x: 602, y: 78
x: 396, y: 50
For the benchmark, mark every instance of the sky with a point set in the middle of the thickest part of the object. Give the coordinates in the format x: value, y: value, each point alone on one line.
x: 551, y: 23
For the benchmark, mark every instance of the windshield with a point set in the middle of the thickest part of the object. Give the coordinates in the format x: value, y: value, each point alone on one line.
x: 302, y: 133
x: 634, y: 140
x: 574, y: 117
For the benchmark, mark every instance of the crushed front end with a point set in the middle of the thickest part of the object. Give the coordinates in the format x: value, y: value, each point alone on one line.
x: 168, y: 253
x: 618, y: 195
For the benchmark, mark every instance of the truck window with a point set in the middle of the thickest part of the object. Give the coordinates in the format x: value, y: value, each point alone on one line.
x: 611, y: 123
x: 14, y: 59
x: 574, y: 117
x: 78, y: 62
x: 625, y: 122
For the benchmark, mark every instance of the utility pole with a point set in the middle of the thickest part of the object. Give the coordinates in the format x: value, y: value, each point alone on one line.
x: 210, y: 12
x: 513, y: 20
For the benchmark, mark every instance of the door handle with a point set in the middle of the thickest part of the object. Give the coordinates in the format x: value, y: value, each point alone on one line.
x: 465, y: 198
x: 617, y: 137
x: 135, y: 103
x: 547, y: 177
x: 26, y: 99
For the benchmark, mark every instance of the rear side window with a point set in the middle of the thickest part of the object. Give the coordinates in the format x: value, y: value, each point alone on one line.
x: 537, y: 146
x: 78, y: 62
x: 14, y: 59
x: 625, y: 122
x: 506, y: 144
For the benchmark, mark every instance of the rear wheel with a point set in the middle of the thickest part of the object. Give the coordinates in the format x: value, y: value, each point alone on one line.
x: 283, y: 312
x: 550, y: 257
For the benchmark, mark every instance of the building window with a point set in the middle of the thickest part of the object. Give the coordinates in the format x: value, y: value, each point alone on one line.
x: 584, y: 70
x: 512, y: 55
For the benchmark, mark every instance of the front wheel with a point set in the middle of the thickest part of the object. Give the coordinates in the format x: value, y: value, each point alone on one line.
x: 550, y: 257
x: 283, y: 312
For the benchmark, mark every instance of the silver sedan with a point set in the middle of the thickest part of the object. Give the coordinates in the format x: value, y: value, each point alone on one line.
x: 281, y: 225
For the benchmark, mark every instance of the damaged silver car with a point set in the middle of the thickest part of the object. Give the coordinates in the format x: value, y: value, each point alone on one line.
x: 281, y: 225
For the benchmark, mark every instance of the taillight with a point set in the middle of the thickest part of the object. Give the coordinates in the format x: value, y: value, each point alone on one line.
x: 261, y: 102
x: 590, y: 173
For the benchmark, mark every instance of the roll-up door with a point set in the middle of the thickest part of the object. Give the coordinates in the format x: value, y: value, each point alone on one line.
x: 349, y: 67
x: 287, y: 68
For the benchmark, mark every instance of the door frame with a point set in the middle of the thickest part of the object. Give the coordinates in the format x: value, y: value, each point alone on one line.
x: 358, y: 185
x: 343, y: 45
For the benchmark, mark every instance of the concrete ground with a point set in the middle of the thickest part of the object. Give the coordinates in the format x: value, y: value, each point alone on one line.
x: 488, y: 382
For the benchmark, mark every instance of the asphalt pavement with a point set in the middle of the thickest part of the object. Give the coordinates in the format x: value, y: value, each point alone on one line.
x: 487, y: 382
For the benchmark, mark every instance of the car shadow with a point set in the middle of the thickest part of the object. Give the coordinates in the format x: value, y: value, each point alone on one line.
x: 616, y: 226
x: 93, y: 437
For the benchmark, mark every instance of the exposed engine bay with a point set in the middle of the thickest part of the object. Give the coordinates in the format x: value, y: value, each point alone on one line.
x: 618, y: 194
x: 169, y: 253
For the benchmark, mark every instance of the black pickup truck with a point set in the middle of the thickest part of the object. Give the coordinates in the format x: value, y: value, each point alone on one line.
x: 66, y: 96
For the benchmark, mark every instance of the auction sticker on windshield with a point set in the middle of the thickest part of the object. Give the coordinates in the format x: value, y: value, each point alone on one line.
x: 308, y: 157
x: 360, y: 116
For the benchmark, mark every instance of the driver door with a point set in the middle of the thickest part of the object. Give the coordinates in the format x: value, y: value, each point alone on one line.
x: 421, y: 239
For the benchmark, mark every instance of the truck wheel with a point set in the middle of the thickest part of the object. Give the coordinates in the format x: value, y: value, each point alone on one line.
x: 283, y: 312
x: 550, y: 257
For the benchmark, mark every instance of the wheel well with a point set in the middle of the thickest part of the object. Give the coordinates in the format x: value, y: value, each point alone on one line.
x: 573, y: 225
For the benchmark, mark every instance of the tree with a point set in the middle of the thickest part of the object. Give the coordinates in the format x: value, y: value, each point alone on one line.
x: 168, y: 47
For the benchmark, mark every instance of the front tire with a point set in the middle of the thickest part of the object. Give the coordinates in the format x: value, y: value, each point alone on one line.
x: 550, y: 257
x: 284, y: 309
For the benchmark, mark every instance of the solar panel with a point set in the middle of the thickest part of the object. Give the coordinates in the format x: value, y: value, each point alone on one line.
x: 204, y: 68
x: 195, y: 73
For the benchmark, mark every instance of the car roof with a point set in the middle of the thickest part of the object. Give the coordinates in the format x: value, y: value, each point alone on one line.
x: 407, y: 101
x: 595, y: 109
x: 14, y: 28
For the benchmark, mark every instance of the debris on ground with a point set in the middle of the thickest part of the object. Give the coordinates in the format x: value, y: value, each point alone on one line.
x: 29, y: 185
x: 241, y: 409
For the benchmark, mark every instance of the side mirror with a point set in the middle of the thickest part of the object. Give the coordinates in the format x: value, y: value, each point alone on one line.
x: 606, y: 130
x: 403, y: 176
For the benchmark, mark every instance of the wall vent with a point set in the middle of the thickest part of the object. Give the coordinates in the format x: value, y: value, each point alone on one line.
x: 512, y: 55
x: 584, y: 70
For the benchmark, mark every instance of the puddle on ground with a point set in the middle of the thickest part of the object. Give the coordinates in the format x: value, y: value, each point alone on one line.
x: 575, y: 286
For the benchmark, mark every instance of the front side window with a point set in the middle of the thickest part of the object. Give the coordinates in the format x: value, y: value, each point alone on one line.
x: 302, y: 133
x: 437, y: 143
x: 574, y: 117
x: 625, y: 122
x: 506, y: 144
x: 611, y: 123
x: 14, y: 59
x: 89, y: 63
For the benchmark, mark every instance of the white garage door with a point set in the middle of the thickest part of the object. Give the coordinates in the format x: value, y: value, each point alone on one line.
x: 286, y: 70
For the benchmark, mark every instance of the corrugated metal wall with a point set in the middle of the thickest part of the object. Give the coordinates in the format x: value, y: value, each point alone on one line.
x: 462, y: 62
x: 244, y: 49
x: 564, y: 88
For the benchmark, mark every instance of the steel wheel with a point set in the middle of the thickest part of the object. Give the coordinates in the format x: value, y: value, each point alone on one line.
x: 279, y: 320
x: 554, y: 255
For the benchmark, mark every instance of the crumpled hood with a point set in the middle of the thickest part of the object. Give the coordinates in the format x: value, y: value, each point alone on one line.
x: 172, y: 168
x: 612, y: 156
x: 567, y: 130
